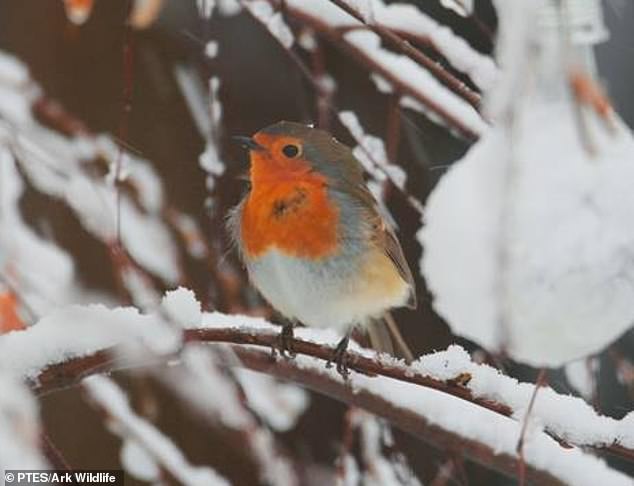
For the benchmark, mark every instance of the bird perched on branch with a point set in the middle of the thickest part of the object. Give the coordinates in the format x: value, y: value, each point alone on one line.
x: 313, y: 241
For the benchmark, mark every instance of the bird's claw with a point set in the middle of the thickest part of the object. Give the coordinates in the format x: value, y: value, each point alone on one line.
x: 284, y: 343
x: 340, y: 358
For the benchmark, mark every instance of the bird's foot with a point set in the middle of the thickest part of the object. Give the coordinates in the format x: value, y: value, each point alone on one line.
x: 340, y: 357
x: 284, y: 343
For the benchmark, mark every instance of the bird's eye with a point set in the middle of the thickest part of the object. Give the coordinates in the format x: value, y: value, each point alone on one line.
x: 290, y: 150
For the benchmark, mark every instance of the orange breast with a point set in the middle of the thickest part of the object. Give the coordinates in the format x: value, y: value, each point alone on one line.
x: 294, y: 216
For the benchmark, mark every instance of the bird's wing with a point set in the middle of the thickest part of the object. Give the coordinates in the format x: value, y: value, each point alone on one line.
x: 346, y: 176
x: 394, y: 251
x: 383, y: 233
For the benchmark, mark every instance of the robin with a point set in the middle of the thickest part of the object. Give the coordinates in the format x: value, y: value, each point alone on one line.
x: 313, y: 241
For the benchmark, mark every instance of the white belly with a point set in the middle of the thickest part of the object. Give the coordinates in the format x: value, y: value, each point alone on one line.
x: 335, y: 293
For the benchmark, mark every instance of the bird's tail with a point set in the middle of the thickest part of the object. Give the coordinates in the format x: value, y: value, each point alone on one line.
x: 385, y: 337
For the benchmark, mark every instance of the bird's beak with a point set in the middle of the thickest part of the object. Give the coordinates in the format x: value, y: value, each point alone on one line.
x: 248, y: 143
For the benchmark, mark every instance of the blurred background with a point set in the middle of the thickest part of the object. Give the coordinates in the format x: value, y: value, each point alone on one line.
x: 84, y: 68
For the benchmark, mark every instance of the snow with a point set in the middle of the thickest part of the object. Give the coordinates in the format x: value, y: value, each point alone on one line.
x: 211, y: 392
x: 211, y: 49
x: 307, y: 40
x: 527, y: 238
x: 137, y: 462
x: 416, y: 78
x: 381, y: 84
x: 501, y: 434
x: 371, y: 152
x: 582, y: 375
x: 368, y: 44
x: 379, y: 469
x: 229, y: 8
x: 181, y: 307
x: 12, y: 71
x: 279, y: 404
x: 461, y: 7
x: 96, y: 206
x: 206, y: 111
x: 406, y: 18
x: 41, y: 272
x: 190, y: 233
x: 569, y: 417
x: 55, y: 165
x: 205, y: 7
x: 125, y: 423
x: 19, y: 426
x: 76, y: 331
x: 273, y: 21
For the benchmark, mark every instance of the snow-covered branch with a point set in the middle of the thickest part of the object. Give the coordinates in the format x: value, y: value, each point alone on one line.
x: 51, y: 359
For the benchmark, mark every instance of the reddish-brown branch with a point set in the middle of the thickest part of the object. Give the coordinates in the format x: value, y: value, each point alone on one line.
x: 69, y: 373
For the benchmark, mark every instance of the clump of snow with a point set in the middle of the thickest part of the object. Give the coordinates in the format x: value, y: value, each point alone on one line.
x: 12, y: 71
x: 228, y: 8
x: 205, y: 7
x: 379, y: 468
x: 140, y: 288
x: 411, y: 20
x: 138, y: 463
x: 181, y: 307
x: 77, y: 331
x: 307, y: 40
x: 381, y: 84
x: 279, y: 404
x: 461, y: 7
x: 570, y: 418
x: 527, y: 238
x: 582, y: 375
x: 416, y: 78
x: 211, y: 49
